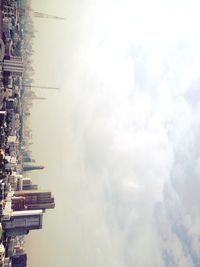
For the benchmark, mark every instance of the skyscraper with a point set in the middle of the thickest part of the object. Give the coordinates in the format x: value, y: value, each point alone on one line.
x: 31, y: 167
x: 13, y: 65
x: 35, y: 199
x: 22, y: 221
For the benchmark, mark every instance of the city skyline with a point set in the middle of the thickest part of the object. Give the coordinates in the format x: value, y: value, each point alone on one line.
x: 22, y: 203
x: 128, y: 145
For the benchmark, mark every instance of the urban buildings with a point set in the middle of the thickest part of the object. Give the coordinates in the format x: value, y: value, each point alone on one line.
x: 22, y: 205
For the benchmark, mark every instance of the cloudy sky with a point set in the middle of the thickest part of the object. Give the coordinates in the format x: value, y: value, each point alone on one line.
x: 120, y: 140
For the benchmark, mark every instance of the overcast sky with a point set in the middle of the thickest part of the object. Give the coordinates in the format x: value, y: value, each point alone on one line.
x: 120, y: 140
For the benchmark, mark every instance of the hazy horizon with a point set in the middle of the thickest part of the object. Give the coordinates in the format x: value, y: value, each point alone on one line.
x: 120, y: 138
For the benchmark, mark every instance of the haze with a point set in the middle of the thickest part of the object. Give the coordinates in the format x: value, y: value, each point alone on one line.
x: 120, y: 140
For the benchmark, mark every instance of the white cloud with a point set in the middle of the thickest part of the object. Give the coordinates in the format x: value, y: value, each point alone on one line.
x: 132, y: 128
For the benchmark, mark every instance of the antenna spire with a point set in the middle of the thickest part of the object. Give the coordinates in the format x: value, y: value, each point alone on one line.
x: 46, y: 16
x: 41, y: 87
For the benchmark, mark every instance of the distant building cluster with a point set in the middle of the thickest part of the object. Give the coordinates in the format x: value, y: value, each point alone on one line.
x: 22, y: 204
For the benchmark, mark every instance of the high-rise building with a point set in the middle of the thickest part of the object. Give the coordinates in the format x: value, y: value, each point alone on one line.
x: 2, y: 117
x: 28, y: 159
x: 18, y: 203
x: 27, y: 184
x: 35, y: 199
x: 31, y: 167
x: 19, y: 260
x: 22, y: 221
x: 14, y: 66
x: 2, y: 49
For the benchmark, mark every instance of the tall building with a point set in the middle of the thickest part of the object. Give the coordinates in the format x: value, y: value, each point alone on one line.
x: 19, y: 260
x: 35, y: 199
x: 18, y: 203
x: 22, y: 221
x: 2, y: 49
x: 2, y: 117
x: 31, y: 167
x: 13, y: 66
x: 28, y: 159
x: 27, y: 184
